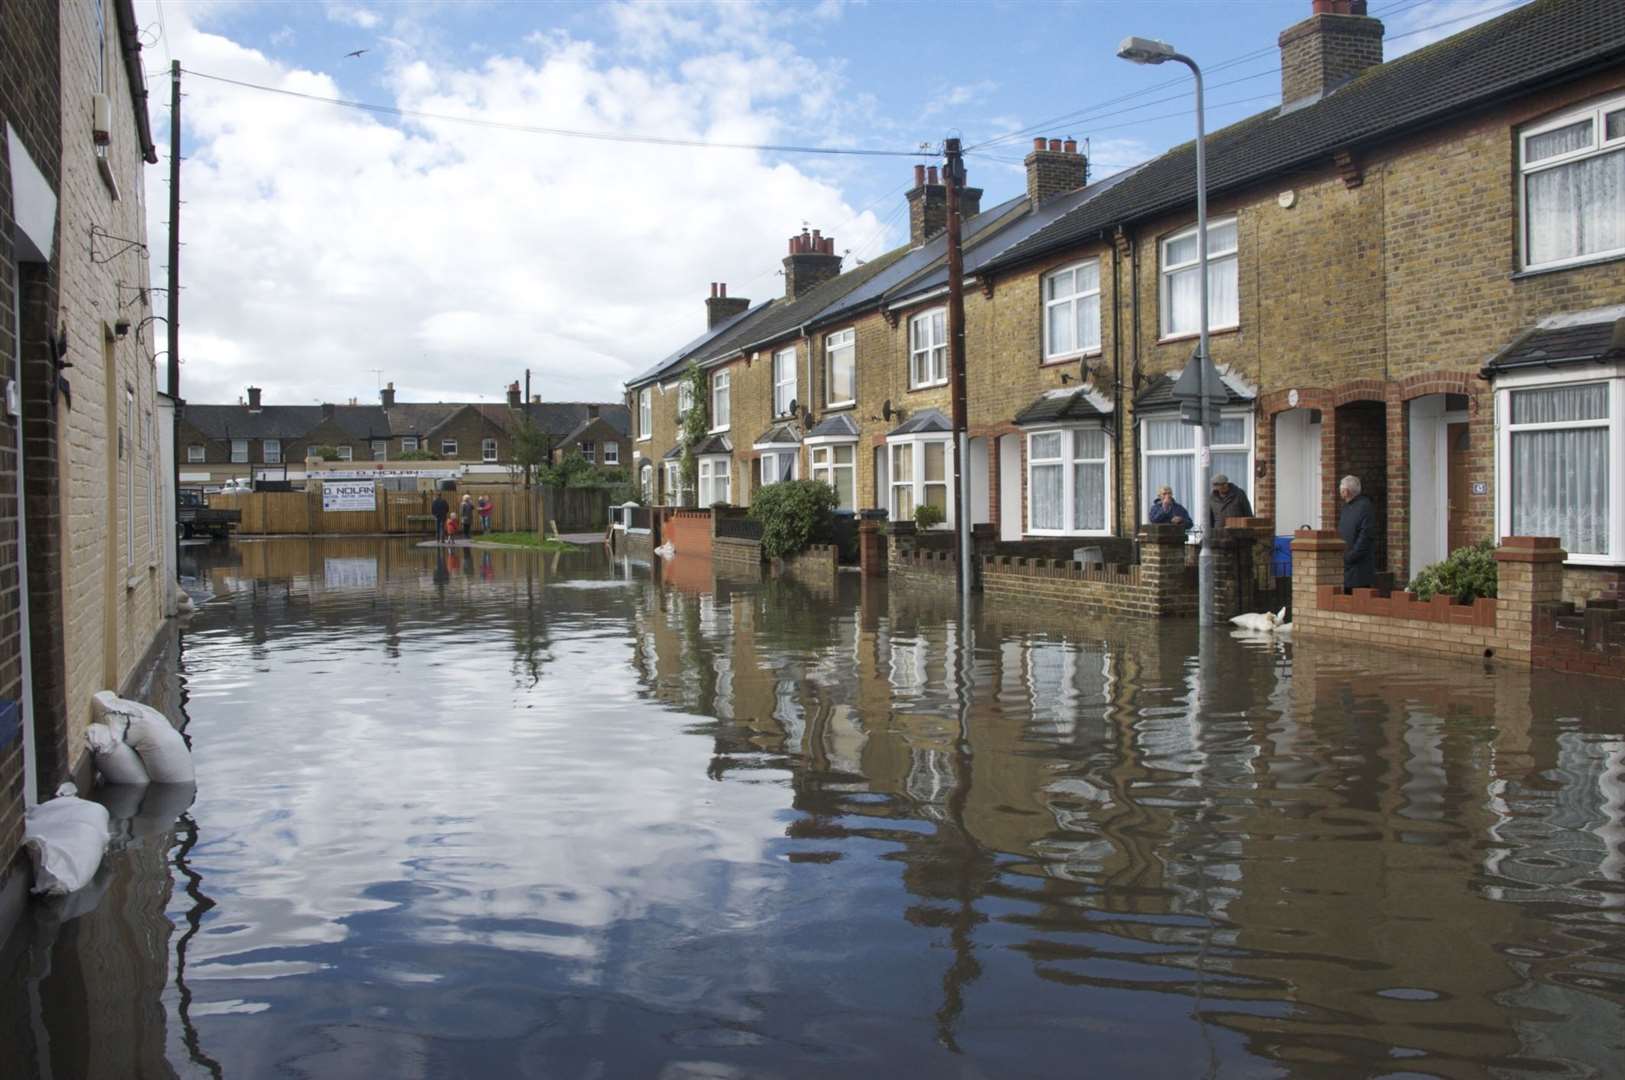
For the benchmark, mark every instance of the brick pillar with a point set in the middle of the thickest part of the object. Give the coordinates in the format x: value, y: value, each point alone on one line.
x: 872, y: 543
x: 1241, y: 571
x: 1529, y: 575
x: 1397, y: 500
x: 1162, y: 568
x: 1317, y: 563
x: 900, y: 538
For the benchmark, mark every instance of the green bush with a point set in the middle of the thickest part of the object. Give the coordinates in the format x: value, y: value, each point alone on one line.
x: 326, y: 453
x: 419, y: 455
x: 794, y: 514
x: 927, y: 516
x: 1467, y: 574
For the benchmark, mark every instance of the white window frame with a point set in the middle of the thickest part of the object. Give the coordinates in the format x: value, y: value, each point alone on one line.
x: 784, y: 381
x: 380, y: 449
x: 1214, y: 260
x: 674, y: 482
x: 775, y: 451
x: 916, y: 482
x: 840, y: 340
x: 1071, y: 300
x: 1068, y: 461
x: 346, y: 452
x: 1148, y: 493
x: 196, y: 454
x: 271, y: 451
x: 826, y: 469
x: 1614, y: 376
x: 721, y: 400
x: 448, y: 448
x: 1597, y: 112
x: 409, y: 443
x: 928, y: 363
x: 488, y: 450
x: 646, y: 414
x: 239, y: 451
x: 612, y: 453
x: 715, y: 470
x: 131, y: 430
x: 685, y: 399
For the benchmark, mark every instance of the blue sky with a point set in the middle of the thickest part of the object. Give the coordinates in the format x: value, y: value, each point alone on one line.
x: 329, y: 249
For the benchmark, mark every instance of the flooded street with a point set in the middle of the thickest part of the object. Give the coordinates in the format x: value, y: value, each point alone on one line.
x: 499, y: 814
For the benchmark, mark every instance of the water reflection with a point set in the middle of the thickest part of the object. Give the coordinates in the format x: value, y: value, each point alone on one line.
x: 493, y: 813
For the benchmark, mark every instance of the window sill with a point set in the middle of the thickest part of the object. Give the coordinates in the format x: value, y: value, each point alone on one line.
x: 840, y: 406
x: 646, y: 438
x: 1195, y: 334
x: 134, y: 581
x: 718, y: 431
x: 1069, y: 358
x: 1052, y: 534
x: 928, y: 386
x: 1580, y: 264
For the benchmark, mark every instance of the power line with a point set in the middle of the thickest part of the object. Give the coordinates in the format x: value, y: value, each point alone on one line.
x: 597, y: 136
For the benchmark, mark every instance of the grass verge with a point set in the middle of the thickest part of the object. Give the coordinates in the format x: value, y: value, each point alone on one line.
x: 525, y: 540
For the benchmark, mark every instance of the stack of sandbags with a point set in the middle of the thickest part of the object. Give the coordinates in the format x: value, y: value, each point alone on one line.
x: 1264, y: 622
x: 162, y: 752
x: 66, y: 839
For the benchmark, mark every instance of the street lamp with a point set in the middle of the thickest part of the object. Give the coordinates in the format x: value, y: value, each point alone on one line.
x: 1150, y: 51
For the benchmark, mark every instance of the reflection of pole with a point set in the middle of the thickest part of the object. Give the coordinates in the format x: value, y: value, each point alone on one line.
x: 965, y: 968
x: 194, y: 922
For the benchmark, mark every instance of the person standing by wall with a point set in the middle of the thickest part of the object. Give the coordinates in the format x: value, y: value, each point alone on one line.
x: 1227, y: 501
x: 1357, y: 525
x: 466, y: 511
x: 1167, y: 511
x: 441, y: 509
x: 485, y: 508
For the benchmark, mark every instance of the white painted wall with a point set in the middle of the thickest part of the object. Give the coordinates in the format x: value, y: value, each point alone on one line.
x: 1297, y: 471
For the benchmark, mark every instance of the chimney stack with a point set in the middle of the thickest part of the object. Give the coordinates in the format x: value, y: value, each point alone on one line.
x: 1054, y: 168
x: 592, y: 411
x: 811, y: 262
x: 327, y: 410
x: 928, y: 205
x: 253, y: 399
x: 513, y: 395
x: 720, y: 307
x: 387, y: 396
x: 1334, y: 44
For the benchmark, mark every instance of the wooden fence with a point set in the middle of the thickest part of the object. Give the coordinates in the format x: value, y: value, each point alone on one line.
x: 300, y: 513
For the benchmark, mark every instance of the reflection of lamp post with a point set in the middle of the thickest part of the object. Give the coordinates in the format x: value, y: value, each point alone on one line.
x: 1148, y: 51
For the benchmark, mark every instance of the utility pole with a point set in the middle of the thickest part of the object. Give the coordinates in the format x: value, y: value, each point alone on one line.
x: 954, y: 166
x: 175, y: 232
x: 524, y: 412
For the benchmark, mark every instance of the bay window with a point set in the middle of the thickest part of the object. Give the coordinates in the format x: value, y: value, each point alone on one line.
x: 928, y: 349
x: 1560, y: 445
x: 646, y: 413
x: 836, y: 465
x: 784, y: 381
x: 919, y: 477
x: 1572, y: 171
x: 1072, y: 311
x: 1182, y: 280
x: 1168, y: 453
x: 1068, y: 481
x: 716, y: 478
x: 840, y: 368
x: 721, y: 400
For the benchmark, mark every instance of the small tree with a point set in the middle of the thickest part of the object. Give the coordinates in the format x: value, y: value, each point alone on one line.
x: 326, y: 453
x: 928, y: 516
x: 694, y: 425
x: 1468, y: 574
x: 794, y: 514
x: 573, y: 470
x: 530, y: 448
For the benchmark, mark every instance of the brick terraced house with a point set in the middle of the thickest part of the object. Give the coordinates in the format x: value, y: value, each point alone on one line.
x: 85, y: 576
x: 1417, y: 277
x: 253, y: 439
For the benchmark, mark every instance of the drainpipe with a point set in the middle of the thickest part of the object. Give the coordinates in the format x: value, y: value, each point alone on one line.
x: 1117, y: 389
x: 1134, y: 380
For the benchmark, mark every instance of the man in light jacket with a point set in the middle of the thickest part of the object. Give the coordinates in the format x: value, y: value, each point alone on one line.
x: 1357, y: 525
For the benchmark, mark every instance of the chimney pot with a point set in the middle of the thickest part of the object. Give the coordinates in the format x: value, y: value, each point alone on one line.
x: 1038, y: 142
x: 1070, y: 146
x: 931, y: 175
x: 722, y: 289
x: 919, y: 176
x: 1055, y: 146
x: 1050, y: 174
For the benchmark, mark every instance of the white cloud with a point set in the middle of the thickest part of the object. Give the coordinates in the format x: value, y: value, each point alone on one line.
x: 352, y: 15
x: 1420, y: 26
x: 323, y: 242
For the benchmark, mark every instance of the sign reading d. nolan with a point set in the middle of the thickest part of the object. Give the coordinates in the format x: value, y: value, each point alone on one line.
x: 349, y: 495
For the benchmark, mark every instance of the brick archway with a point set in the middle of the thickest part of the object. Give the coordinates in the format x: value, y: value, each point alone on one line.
x: 1268, y: 408
x: 1481, y: 435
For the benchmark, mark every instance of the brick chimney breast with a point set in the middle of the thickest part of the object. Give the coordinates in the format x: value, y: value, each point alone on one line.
x: 720, y: 307
x: 811, y: 262
x: 514, y: 395
x: 928, y: 205
x: 1333, y: 45
x: 253, y: 399
x: 387, y: 396
x: 1054, y: 168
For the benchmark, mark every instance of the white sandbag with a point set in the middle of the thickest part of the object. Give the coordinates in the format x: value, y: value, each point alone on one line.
x: 65, y: 838
x: 161, y: 747
x: 115, y: 759
x: 1255, y: 620
x: 666, y: 551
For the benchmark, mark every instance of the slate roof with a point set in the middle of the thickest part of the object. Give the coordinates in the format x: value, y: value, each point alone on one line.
x: 922, y: 422
x: 236, y: 422
x: 672, y: 362
x: 1582, y: 337
x: 562, y: 418
x: 780, y: 435
x: 1061, y: 407
x: 1535, y: 46
x: 835, y: 426
x: 376, y: 422
x: 714, y: 444
x: 790, y: 315
x: 1158, y: 393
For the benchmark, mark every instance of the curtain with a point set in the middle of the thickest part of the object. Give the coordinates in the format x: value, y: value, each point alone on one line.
x: 1175, y: 470
x: 1560, y: 404
x: 1183, y: 297
x: 1089, y: 322
x: 1576, y: 209
x: 1169, y: 435
x: 1560, y: 487
x: 1060, y: 329
x: 1046, y: 496
x: 1089, y: 495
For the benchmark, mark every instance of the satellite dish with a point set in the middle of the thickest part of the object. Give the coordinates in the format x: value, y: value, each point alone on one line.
x: 886, y: 410
x: 791, y: 411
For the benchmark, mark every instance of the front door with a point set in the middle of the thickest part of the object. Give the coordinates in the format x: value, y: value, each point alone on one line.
x: 1456, y: 457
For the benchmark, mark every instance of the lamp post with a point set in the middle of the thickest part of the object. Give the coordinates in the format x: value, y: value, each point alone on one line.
x: 1149, y: 51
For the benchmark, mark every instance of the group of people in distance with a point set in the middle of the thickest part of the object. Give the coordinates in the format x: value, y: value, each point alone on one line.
x: 1356, y: 522
x: 447, y: 526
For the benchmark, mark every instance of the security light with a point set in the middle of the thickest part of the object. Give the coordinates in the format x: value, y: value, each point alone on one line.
x: 1145, y: 50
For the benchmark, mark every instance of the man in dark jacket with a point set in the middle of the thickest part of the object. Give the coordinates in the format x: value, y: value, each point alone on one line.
x: 1227, y: 501
x: 1357, y: 525
x: 440, y: 509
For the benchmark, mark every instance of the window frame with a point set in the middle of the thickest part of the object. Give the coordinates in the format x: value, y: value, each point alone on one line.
x: 1068, y: 461
x: 1597, y: 112
x: 673, y: 474
x: 612, y: 453
x: 685, y: 399
x: 488, y: 451
x: 448, y: 448
x: 787, y: 357
x: 196, y: 454
x: 270, y: 451
x: 721, y: 382
x: 775, y: 451
x: 706, y: 476
x: 589, y: 450
x: 827, y: 447
x: 1613, y: 375
x: 1164, y: 272
x: 1049, y: 355
x: 1148, y: 493
x: 930, y: 352
x: 409, y: 444
x: 850, y: 334
x: 239, y: 457
x: 379, y: 449
x: 346, y: 452
x: 917, y: 482
x: 646, y: 412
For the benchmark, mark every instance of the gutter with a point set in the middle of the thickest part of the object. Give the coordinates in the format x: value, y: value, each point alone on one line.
x: 130, y: 46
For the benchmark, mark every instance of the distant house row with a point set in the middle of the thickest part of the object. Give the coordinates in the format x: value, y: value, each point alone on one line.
x: 252, y: 439
x: 1417, y: 277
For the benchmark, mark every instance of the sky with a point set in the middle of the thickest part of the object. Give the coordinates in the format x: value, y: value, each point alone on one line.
x: 430, y: 243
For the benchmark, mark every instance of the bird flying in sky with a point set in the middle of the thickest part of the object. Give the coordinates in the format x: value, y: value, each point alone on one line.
x: 357, y: 53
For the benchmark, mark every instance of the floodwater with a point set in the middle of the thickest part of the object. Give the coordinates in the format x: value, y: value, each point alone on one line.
x: 499, y: 814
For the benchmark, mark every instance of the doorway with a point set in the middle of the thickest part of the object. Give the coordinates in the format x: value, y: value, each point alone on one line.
x: 980, y: 496
x: 1438, y: 452
x: 1297, y: 471
x: 1010, y: 487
